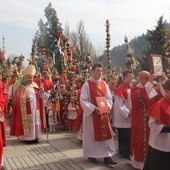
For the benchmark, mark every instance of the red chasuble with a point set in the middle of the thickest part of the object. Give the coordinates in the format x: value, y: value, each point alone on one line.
x: 140, y: 130
x: 161, y: 111
x: 100, y: 122
x: 17, y: 126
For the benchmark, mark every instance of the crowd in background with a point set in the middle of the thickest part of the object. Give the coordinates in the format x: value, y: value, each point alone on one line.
x: 58, y: 98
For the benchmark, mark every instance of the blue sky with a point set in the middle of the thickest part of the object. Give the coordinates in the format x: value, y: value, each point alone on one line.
x: 19, y: 18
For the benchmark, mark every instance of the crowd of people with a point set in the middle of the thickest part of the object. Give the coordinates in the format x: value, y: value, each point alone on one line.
x: 137, y: 110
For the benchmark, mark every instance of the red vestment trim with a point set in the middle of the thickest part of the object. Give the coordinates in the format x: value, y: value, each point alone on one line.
x: 100, y: 122
x: 140, y: 129
x: 145, y: 129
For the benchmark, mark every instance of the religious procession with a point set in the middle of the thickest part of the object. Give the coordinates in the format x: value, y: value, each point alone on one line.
x: 84, y: 97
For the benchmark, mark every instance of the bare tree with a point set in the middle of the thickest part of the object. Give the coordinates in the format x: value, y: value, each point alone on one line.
x: 67, y: 30
x: 81, y: 41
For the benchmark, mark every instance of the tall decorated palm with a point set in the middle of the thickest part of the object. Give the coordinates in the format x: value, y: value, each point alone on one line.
x: 34, y: 50
x: 130, y: 61
x: 109, y: 62
x: 4, y: 67
x: 110, y: 71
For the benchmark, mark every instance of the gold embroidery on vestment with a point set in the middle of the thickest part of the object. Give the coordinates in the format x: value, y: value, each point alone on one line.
x: 24, y: 117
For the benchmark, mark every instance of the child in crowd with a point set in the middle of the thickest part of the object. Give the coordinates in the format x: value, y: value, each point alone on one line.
x: 72, y: 113
x: 52, y: 116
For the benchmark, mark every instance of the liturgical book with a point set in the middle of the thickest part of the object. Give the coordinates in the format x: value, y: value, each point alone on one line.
x: 102, y: 104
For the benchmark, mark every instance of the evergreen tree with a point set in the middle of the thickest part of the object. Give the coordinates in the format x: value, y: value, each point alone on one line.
x: 48, y: 29
x: 47, y: 35
x: 156, y: 39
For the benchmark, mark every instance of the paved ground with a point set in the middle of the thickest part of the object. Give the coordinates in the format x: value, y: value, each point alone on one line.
x: 63, y: 151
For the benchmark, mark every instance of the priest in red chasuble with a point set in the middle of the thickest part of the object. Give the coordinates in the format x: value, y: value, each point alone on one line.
x: 143, y: 96
x: 27, y: 112
x: 98, y: 140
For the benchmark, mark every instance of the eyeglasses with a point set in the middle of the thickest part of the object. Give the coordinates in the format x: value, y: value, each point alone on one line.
x: 144, y: 77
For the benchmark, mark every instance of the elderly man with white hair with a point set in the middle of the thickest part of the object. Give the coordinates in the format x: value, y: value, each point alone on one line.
x: 27, y: 115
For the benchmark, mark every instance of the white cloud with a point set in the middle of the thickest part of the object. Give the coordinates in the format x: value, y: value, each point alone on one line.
x: 26, y: 13
x: 130, y: 17
x: 20, y: 13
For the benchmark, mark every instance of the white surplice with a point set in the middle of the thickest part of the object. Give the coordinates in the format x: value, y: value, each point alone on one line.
x: 92, y: 148
x: 35, y: 128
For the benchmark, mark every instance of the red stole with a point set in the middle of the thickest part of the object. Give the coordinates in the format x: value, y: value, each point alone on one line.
x: 121, y: 91
x: 100, y: 122
x: 161, y: 111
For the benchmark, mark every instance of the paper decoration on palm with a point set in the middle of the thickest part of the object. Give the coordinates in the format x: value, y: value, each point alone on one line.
x: 34, y: 51
x: 3, y: 48
x: 86, y: 67
x: 2, y: 52
x: 4, y: 68
x: 130, y: 62
x: 2, y: 56
x: 109, y: 62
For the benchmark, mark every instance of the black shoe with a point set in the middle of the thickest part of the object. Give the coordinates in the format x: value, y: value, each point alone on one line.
x: 35, y: 141
x: 93, y: 160
x: 108, y: 161
x: 31, y: 141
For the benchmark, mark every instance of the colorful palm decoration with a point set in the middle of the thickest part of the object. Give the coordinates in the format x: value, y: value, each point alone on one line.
x: 109, y: 62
